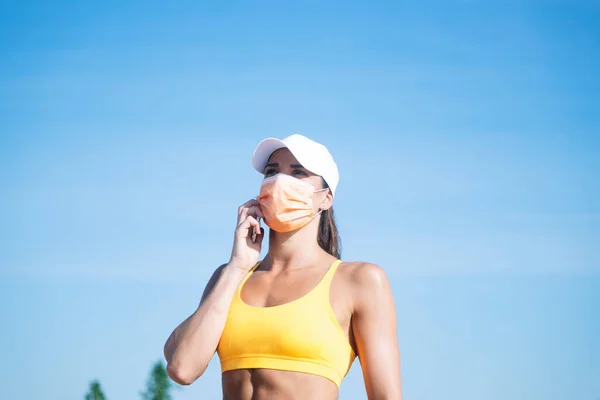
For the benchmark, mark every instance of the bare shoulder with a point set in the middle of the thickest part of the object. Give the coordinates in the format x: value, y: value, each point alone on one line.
x: 370, y: 289
x: 364, y: 276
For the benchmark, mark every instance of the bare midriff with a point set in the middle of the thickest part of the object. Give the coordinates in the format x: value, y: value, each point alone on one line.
x: 265, y: 384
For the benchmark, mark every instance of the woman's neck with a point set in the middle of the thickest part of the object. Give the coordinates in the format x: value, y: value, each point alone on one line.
x: 294, y: 249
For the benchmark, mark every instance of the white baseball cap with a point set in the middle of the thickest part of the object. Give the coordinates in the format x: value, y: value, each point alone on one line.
x: 312, y: 155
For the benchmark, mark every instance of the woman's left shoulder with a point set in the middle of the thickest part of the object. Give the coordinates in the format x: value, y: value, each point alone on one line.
x: 364, y: 275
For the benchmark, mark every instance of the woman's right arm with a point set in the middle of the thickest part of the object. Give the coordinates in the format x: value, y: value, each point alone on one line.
x: 194, y: 342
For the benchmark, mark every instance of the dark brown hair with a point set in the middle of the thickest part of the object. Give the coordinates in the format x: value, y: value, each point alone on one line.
x: 328, y: 236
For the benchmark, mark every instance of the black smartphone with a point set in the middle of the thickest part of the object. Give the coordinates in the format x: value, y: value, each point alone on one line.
x: 254, y: 233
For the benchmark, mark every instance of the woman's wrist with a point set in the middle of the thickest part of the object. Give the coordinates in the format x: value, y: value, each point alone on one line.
x: 234, y: 272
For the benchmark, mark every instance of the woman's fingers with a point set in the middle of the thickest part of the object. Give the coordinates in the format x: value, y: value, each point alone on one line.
x: 249, y: 208
x: 255, y: 211
x: 248, y: 223
x: 249, y: 203
x: 249, y: 215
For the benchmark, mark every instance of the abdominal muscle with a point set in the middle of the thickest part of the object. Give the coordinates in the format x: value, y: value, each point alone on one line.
x: 263, y: 384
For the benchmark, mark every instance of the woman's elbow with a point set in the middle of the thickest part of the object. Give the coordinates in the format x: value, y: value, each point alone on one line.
x: 183, y: 375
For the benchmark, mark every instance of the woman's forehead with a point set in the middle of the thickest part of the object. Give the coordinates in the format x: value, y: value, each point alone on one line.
x: 283, y: 156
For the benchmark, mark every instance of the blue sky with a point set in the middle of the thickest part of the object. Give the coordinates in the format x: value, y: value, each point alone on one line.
x: 467, y: 136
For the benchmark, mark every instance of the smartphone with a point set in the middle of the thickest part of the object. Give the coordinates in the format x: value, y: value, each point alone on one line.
x: 254, y: 233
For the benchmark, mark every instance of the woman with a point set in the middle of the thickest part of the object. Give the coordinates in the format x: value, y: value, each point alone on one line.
x: 290, y: 326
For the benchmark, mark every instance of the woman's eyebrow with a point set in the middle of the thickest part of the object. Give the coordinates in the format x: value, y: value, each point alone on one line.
x: 272, y: 165
x: 297, y: 166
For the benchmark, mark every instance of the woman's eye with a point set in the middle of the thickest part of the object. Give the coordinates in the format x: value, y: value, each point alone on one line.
x: 269, y: 172
x: 300, y: 172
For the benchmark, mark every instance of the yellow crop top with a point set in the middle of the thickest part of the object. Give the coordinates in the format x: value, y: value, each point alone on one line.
x: 302, y: 335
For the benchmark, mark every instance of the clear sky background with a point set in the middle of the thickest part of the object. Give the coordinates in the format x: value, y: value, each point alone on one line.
x: 467, y: 136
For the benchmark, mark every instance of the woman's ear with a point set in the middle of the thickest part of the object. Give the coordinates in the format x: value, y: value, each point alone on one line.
x: 327, y: 201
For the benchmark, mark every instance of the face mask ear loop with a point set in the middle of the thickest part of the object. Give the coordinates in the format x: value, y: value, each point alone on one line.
x: 321, y: 209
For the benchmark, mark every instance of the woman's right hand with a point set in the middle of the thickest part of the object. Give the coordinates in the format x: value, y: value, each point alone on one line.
x: 245, y: 252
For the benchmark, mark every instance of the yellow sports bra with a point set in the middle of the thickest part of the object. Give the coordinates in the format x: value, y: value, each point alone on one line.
x: 302, y: 335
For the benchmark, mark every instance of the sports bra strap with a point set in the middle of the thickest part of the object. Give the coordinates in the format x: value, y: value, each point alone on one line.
x: 326, y: 280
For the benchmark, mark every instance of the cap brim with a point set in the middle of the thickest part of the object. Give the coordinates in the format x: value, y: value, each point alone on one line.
x: 263, y: 151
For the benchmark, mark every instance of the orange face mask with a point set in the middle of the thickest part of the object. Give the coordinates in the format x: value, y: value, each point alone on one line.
x: 286, y: 202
